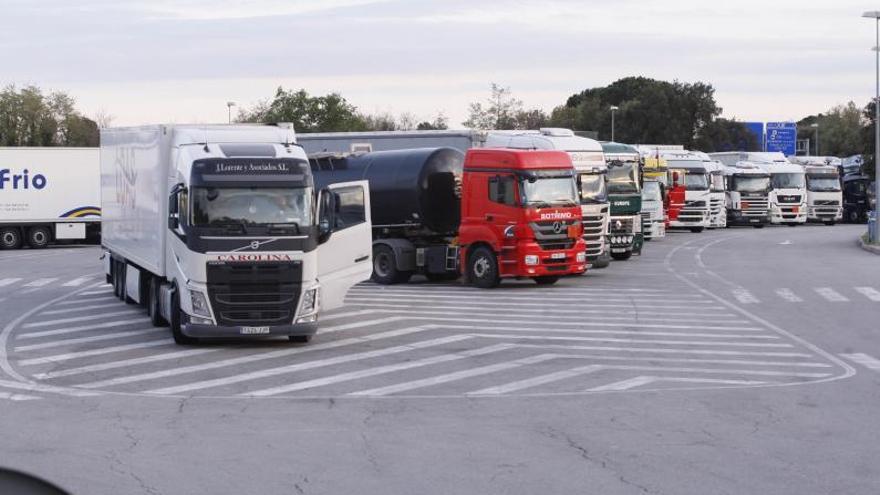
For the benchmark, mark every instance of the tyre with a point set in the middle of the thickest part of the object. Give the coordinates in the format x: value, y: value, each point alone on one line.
x: 547, y: 280
x: 153, y: 295
x: 38, y: 237
x: 177, y: 319
x: 697, y: 230
x: 300, y: 339
x: 853, y: 216
x: 10, y: 238
x: 116, y: 274
x: 759, y: 226
x: 385, y: 267
x: 483, y: 268
x: 622, y: 256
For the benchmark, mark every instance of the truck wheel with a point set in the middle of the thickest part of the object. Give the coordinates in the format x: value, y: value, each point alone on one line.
x: 153, y: 295
x: 300, y: 339
x: 547, y: 280
x: 385, y: 270
x: 177, y: 321
x: 39, y: 237
x: 483, y: 268
x: 696, y: 230
x: 10, y: 238
x: 622, y: 256
x: 853, y: 216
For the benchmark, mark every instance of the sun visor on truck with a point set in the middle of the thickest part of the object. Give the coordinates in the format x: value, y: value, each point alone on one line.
x: 253, y: 172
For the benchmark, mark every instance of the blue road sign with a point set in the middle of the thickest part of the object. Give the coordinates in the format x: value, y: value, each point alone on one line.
x: 782, y: 136
x: 756, y: 128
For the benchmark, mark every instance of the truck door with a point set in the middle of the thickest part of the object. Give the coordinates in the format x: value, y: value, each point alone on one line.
x: 345, y: 259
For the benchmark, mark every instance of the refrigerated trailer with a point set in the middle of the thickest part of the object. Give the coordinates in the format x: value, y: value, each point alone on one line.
x: 48, y: 195
x: 218, y: 230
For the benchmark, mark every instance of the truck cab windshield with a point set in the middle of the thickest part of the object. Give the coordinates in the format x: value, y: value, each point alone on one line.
x: 623, y: 177
x: 823, y: 184
x: 592, y: 188
x: 242, y: 210
x: 787, y: 181
x: 651, y: 191
x: 557, y: 190
x: 717, y: 180
x: 748, y: 184
x: 696, y: 182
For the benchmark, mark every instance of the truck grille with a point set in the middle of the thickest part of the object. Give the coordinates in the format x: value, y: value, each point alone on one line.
x: 754, y: 207
x: 788, y: 198
x: 254, y: 294
x: 553, y: 234
x: 594, y: 232
x: 826, y: 202
x: 626, y: 225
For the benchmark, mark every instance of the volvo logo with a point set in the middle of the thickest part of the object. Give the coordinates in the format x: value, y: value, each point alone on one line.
x: 558, y: 227
x: 255, y: 245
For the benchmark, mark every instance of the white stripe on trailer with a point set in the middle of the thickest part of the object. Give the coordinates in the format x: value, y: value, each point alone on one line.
x: 451, y: 377
x: 744, y: 296
x: 40, y: 282
x: 865, y: 360
x: 788, y: 295
x: 869, y: 292
x: 830, y: 294
x: 537, y: 380
x: 79, y: 308
x: 646, y: 380
x: 254, y: 358
x: 381, y: 370
x: 121, y: 364
x: 57, y: 358
x: 84, y: 340
x: 307, y: 365
x: 49, y: 323
x: 84, y: 328
x: 77, y: 281
x: 8, y: 281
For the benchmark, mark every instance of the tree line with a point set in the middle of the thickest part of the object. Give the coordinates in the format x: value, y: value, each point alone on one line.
x: 31, y: 117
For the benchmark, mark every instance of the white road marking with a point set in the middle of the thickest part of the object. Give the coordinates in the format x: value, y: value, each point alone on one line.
x: 254, y: 358
x: 634, y: 341
x: 40, y: 282
x: 95, y: 292
x: 865, y: 360
x: 454, y: 376
x: 49, y: 323
x: 830, y: 294
x: 645, y: 380
x: 8, y: 281
x: 307, y: 365
x: 39, y: 387
x: 744, y: 296
x: 713, y: 371
x: 788, y: 295
x: 17, y: 397
x: 869, y: 292
x: 121, y: 364
x: 537, y: 380
x: 337, y: 316
x: 554, y: 299
x: 57, y: 358
x: 77, y: 281
x: 84, y: 328
x: 83, y: 340
x: 380, y: 370
x: 80, y: 308
x: 521, y: 321
x: 644, y: 333
x: 78, y: 300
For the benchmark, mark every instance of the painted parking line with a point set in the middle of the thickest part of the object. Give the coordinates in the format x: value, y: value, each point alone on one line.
x: 592, y: 307
x: 591, y: 331
x: 40, y: 282
x: 869, y: 292
x: 8, y: 281
x: 830, y: 294
x: 84, y: 328
x: 788, y: 295
x: 85, y: 340
x: 17, y: 397
x: 634, y: 341
x: 646, y: 380
x: 57, y: 358
x: 865, y: 360
x: 123, y: 363
x: 77, y: 281
x: 538, y: 380
x: 80, y: 308
x: 49, y: 323
x: 744, y: 296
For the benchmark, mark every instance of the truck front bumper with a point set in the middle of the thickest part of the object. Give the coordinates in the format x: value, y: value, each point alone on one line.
x: 199, y: 330
x: 825, y: 214
x: 788, y: 214
x: 736, y: 217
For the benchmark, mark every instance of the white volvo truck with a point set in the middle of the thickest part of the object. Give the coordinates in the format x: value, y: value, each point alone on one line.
x: 824, y: 195
x: 48, y: 195
x: 788, y: 194
x: 217, y: 230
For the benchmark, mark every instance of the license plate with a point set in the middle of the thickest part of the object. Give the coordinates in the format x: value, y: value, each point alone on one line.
x: 754, y: 220
x: 254, y: 330
x: 557, y: 256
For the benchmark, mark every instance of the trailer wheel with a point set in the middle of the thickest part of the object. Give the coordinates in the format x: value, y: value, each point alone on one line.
x: 39, y: 237
x: 177, y: 322
x: 483, y: 268
x: 10, y: 238
x: 696, y: 230
x: 153, y: 296
x: 622, y: 256
x: 385, y: 270
x: 547, y: 280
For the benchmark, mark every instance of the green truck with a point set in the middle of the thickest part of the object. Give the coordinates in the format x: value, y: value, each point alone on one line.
x: 625, y: 196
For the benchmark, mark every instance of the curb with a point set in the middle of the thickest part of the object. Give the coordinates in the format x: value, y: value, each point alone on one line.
x: 871, y: 248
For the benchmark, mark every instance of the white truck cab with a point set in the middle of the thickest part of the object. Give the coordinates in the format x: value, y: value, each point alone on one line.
x: 788, y: 194
x: 589, y: 164
x: 717, y: 192
x: 824, y: 195
x: 217, y: 230
x: 747, y: 197
x: 693, y: 168
x: 653, y: 215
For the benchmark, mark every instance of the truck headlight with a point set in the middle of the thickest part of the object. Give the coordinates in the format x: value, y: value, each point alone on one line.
x: 199, y: 303
x: 581, y: 257
x: 309, y: 302
x: 531, y: 259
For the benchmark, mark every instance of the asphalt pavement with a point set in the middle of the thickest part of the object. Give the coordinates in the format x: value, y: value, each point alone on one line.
x: 731, y: 361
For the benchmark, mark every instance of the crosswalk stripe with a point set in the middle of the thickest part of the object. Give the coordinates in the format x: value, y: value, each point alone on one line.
x: 8, y: 281
x: 788, y: 295
x: 830, y: 294
x: 380, y: 370
x: 84, y: 340
x: 49, y: 323
x: 57, y: 358
x: 307, y: 365
x: 40, y: 282
x: 122, y: 364
x: 451, y: 377
x: 77, y: 281
x: 537, y: 380
x: 869, y: 292
x: 744, y: 296
x: 865, y: 360
x: 373, y: 287
x: 646, y: 380
x: 84, y: 328
x: 80, y: 308
x: 254, y: 358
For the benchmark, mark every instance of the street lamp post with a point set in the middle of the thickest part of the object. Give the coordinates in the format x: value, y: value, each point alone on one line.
x: 875, y: 14
x: 815, y: 125
x: 229, y: 105
x: 613, y: 109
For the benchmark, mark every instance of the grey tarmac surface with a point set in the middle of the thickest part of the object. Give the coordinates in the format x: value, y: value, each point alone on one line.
x: 733, y: 361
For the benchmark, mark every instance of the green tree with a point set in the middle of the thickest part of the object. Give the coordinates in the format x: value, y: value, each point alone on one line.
x: 28, y: 117
x: 868, y: 137
x: 726, y: 135
x: 840, y: 130
x: 440, y: 123
x: 329, y: 113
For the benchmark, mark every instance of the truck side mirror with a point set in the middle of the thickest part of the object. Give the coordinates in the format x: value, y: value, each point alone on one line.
x: 327, y: 215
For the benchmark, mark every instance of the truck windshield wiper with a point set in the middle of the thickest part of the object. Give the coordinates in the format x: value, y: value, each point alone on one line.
x: 231, y: 227
x: 538, y: 204
x: 283, y: 228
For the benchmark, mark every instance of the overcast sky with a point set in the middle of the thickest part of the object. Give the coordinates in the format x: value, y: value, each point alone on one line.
x: 150, y: 61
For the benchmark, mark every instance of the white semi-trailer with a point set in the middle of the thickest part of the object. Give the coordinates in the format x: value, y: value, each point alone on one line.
x: 218, y: 231
x: 48, y: 195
